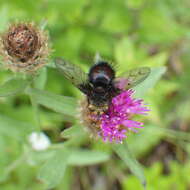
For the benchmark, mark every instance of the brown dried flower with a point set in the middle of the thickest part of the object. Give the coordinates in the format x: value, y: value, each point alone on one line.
x: 24, y: 47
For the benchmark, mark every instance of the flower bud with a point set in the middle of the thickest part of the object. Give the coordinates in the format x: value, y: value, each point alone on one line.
x: 24, y: 47
x: 39, y: 141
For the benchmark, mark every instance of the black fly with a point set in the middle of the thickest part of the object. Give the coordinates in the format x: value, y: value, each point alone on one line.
x: 100, y: 85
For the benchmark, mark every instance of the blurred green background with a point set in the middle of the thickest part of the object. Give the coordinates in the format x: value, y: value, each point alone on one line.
x: 132, y: 33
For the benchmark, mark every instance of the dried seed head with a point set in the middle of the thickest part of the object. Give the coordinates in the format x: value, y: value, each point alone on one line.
x: 24, y: 47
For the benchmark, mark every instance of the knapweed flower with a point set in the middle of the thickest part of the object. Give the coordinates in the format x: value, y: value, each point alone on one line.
x: 24, y: 47
x: 116, y: 121
x: 39, y: 141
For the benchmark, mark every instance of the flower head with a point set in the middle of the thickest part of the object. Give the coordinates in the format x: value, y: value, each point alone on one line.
x: 116, y: 121
x: 24, y: 47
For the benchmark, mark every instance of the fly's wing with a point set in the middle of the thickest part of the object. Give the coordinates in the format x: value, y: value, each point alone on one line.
x: 73, y: 73
x: 132, y: 78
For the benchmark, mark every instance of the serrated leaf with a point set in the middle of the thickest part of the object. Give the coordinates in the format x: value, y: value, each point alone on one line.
x: 58, y: 103
x: 87, y: 157
x: 149, y: 82
x: 13, y: 86
x: 52, y: 172
x: 125, y: 154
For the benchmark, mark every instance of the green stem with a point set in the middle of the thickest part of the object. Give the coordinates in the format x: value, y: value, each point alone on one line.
x: 35, y: 112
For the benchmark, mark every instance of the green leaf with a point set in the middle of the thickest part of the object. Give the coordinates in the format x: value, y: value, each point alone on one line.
x: 170, y: 133
x: 60, y: 104
x: 40, y: 80
x: 125, y: 59
x: 135, y: 4
x: 52, y: 172
x: 87, y: 157
x: 149, y: 83
x: 4, y: 15
x: 73, y: 131
x: 76, y: 135
x: 39, y: 157
x: 139, y: 144
x: 14, y: 128
x: 124, y: 153
x: 13, y: 86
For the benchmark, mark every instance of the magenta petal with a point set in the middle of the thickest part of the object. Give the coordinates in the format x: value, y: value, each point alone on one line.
x: 118, y: 115
x: 131, y: 123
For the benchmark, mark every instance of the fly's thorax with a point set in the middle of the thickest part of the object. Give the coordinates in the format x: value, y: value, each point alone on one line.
x: 100, y: 77
x: 102, y: 99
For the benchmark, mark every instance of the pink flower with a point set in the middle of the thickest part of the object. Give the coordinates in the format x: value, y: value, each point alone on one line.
x: 116, y: 121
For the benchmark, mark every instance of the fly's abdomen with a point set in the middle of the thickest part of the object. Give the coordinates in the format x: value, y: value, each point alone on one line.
x: 90, y: 115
